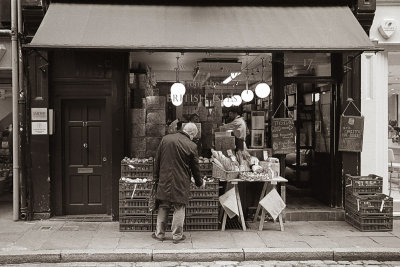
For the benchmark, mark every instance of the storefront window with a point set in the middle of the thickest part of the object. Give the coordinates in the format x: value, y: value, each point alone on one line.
x: 394, y: 125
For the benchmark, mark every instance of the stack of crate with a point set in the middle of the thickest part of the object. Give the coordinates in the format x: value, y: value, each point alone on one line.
x: 202, y: 210
x: 206, y: 169
x: 366, y: 208
x: 134, y: 191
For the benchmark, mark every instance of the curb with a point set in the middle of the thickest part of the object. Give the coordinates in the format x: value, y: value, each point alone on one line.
x: 200, y: 255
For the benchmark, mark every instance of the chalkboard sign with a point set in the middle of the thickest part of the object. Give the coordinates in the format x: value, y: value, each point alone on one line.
x: 283, y: 136
x: 351, y: 133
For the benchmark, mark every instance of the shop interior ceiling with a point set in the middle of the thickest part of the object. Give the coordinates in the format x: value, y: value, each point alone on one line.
x: 210, y: 69
x: 394, y: 73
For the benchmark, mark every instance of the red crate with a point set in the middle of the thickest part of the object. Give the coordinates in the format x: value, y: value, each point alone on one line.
x: 363, y: 184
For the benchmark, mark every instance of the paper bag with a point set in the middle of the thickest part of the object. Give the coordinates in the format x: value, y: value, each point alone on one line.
x: 273, y: 203
x: 229, y: 203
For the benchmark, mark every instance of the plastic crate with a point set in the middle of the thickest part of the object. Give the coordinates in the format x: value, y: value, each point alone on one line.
x: 370, y: 223
x: 197, y: 207
x: 219, y: 173
x: 134, y: 190
x: 201, y: 220
x: 211, y: 190
x: 376, y: 204
x: 133, y: 207
x: 364, y: 184
x: 135, y: 228
x: 206, y: 227
x: 137, y: 170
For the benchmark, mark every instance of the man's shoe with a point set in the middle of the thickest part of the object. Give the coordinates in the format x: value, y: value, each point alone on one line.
x: 176, y: 241
x: 153, y: 235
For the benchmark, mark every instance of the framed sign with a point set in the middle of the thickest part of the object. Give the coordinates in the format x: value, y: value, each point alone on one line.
x: 39, y: 114
x: 351, y: 133
x: 39, y: 127
x: 283, y: 135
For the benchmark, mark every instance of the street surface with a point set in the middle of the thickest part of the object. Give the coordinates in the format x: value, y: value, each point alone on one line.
x: 216, y: 264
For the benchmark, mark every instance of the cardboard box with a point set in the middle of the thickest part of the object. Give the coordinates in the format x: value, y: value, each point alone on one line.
x: 156, y: 116
x: 155, y: 130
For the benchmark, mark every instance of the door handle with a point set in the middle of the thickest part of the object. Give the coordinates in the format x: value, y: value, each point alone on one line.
x: 85, y: 145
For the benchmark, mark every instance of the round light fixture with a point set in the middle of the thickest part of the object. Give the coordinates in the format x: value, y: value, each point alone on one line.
x: 228, y: 102
x: 262, y: 90
x: 177, y: 99
x: 247, y: 95
x: 237, y: 100
x: 178, y: 88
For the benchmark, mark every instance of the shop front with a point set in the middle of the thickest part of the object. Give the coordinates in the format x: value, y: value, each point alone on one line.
x: 100, y: 90
x: 383, y: 69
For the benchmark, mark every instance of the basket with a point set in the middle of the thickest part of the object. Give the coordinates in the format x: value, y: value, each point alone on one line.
x: 363, y: 184
x: 219, y: 173
x: 377, y: 204
x: 370, y: 223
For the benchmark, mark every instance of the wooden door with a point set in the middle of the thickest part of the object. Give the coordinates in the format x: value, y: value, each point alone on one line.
x: 86, y: 169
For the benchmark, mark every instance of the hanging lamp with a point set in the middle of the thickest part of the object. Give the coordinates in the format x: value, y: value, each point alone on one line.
x: 262, y: 89
x: 178, y: 90
x: 247, y: 95
x: 228, y: 102
x: 236, y: 100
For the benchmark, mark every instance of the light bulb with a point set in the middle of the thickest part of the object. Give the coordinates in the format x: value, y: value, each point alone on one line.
x: 247, y: 95
x: 237, y: 100
x: 228, y: 102
x: 262, y: 90
x: 178, y: 88
x: 177, y: 100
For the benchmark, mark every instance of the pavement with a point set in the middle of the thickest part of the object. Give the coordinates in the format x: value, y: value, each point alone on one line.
x: 53, y: 241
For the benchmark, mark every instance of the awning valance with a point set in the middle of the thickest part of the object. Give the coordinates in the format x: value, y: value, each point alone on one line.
x: 178, y: 28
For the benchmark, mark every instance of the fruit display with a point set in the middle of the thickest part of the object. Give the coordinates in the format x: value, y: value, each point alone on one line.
x: 136, y: 168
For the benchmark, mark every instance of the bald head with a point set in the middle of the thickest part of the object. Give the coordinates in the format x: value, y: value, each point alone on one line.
x: 190, y: 129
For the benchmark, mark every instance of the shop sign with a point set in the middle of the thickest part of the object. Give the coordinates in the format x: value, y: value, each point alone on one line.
x: 351, y: 133
x: 39, y: 114
x: 283, y: 135
x: 39, y: 128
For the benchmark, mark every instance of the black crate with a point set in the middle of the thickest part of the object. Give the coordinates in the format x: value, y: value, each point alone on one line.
x: 197, y: 207
x: 210, y: 191
x: 133, y: 207
x: 201, y: 220
x: 201, y: 227
x: 376, y: 204
x: 134, y: 190
x: 137, y: 170
x: 363, y: 184
x: 370, y: 223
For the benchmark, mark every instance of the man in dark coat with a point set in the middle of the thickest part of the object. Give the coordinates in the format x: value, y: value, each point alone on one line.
x: 176, y: 161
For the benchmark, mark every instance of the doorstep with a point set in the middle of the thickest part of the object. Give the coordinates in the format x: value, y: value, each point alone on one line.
x: 325, y: 214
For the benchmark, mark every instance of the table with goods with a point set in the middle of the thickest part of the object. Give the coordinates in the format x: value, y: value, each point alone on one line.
x: 204, y: 209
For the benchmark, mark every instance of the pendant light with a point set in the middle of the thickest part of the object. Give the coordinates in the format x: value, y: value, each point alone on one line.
x: 237, y: 100
x: 228, y: 102
x: 247, y: 95
x: 178, y: 90
x: 262, y: 89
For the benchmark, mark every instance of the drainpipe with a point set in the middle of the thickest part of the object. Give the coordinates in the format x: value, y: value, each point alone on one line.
x: 14, y: 66
x: 21, y: 115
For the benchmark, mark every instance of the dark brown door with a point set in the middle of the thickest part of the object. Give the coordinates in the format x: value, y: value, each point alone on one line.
x: 86, y: 169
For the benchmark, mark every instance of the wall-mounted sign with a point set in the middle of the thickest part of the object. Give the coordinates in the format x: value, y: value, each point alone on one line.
x: 39, y: 114
x: 351, y: 133
x: 387, y: 28
x: 283, y: 136
x: 39, y: 127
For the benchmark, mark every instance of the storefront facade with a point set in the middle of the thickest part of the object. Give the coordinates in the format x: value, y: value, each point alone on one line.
x: 82, y: 83
x: 383, y: 71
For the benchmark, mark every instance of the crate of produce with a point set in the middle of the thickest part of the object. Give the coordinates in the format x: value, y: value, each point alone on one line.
x: 376, y: 204
x: 134, y: 190
x: 136, y: 167
x: 370, y: 223
x: 133, y: 207
x: 198, y: 207
x: 211, y: 190
x: 363, y: 184
x: 219, y: 173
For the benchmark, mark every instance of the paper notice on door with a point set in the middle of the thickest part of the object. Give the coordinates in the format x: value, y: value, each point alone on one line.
x: 39, y: 127
x: 229, y: 203
x: 273, y: 203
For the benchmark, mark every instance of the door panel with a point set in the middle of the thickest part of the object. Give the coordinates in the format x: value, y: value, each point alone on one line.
x: 85, y: 172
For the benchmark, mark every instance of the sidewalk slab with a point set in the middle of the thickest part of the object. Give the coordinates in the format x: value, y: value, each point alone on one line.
x: 17, y: 257
x: 287, y: 254
x: 378, y: 254
x: 191, y: 255
x: 119, y: 255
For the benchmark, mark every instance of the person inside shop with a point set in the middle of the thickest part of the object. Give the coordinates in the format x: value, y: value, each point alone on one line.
x: 195, y: 118
x: 239, y: 127
x: 176, y: 161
